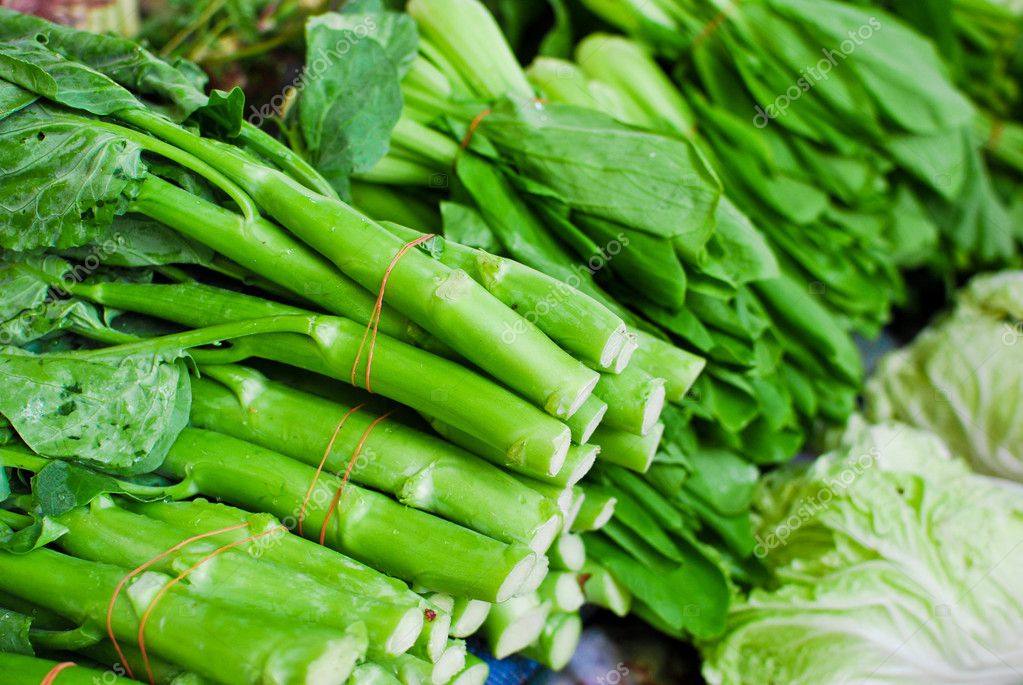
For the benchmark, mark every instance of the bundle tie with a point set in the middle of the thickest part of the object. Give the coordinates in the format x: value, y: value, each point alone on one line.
x: 348, y: 473
x: 181, y: 576
x: 711, y: 26
x: 140, y: 569
x: 472, y: 128
x: 50, y: 677
x: 374, y: 319
x: 319, y: 469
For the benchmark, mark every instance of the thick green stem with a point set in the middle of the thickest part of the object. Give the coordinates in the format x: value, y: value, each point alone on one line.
x: 514, y: 624
x: 280, y: 547
x: 585, y: 421
x: 443, y: 301
x: 599, y: 585
x: 418, y: 469
x: 562, y: 590
x: 634, y: 399
x: 597, y: 509
x: 634, y: 452
x: 29, y: 670
x: 265, y: 249
x: 111, y: 535
x: 285, y: 158
x: 557, y: 642
x: 372, y: 528
x: 249, y: 647
x: 475, y: 672
x: 567, y: 553
x: 421, y: 380
x: 467, y: 616
x: 579, y: 324
x: 661, y: 359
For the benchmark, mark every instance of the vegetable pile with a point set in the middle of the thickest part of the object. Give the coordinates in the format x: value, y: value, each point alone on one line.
x: 483, y: 336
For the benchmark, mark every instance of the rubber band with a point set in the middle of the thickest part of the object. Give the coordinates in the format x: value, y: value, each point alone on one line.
x: 319, y: 469
x: 181, y: 576
x: 348, y: 473
x: 995, y: 137
x: 472, y: 127
x: 711, y: 26
x: 50, y: 677
x: 140, y: 569
x: 374, y: 319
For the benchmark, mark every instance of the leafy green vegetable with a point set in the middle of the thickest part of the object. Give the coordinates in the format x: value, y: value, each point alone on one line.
x: 14, y: 631
x: 960, y: 378
x: 883, y: 553
x: 120, y: 415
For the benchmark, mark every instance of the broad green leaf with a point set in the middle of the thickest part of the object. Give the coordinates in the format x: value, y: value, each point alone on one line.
x: 396, y: 32
x: 350, y: 101
x: 39, y: 533
x: 644, y: 181
x: 723, y: 480
x: 32, y: 65
x: 5, y: 483
x: 465, y: 225
x: 14, y: 98
x: 61, y: 486
x: 120, y: 416
x: 134, y: 240
x: 14, y: 631
x: 64, y: 180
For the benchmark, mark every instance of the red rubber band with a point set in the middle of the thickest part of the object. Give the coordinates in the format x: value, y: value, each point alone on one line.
x: 140, y: 569
x: 374, y: 319
x: 348, y: 472
x: 319, y: 469
x: 50, y: 677
x: 181, y: 576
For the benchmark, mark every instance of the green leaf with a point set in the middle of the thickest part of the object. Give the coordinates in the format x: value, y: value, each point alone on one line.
x: 61, y: 486
x: 465, y: 225
x: 39, y: 533
x: 64, y: 180
x: 350, y: 101
x: 647, y: 182
x: 32, y: 65
x: 5, y: 481
x: 396, y: 32
x: 134, y: 240
x: 14, y: 98
x: 119, y: 415
x: 14, y: 631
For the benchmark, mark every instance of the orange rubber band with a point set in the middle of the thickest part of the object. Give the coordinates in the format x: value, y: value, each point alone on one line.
x: 712, y: 25
x: 181, y: 576
x: 472, y: 127
x: 140, y: 569
x: 348, y: 472
x: 374, y: 319
x: 50, y: 677
x: 319, y: 469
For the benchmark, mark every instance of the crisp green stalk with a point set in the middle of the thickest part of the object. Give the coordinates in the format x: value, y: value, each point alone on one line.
x: 561, y: 495
x: 443, y: 301
x: 514, y: 624
x: 634, y: 452
x: 579, y: 324
x: 287, y: 159
x: 634, y: 399
x: 434, y: 639
x: 585, y: 421
x: 281, y: 547
x: 249, y: 647
x: 409, y: 670
x: 111, y: 535
x: 450, y: 663
x: 567, y: 553
x: 374, y: 529
x: 626, y: 67
x: 574, y: 508
x: 19, y: 669
x: 475, y: 672
x: 557, y: 642
x: 597, y: 509
x: 600, y: 586
x: 578, y: 462
x: 164, y: 672
x: 370, y: 673
x: 660, y: 358
x: 467, y: 616
x: 265, y: 249
x: 420, y: 470
x: 401, y: 372
x: 536, y: 576
x: 561, y: 589
x: 466, y: 34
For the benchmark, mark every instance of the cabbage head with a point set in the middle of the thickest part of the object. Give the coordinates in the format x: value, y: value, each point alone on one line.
x: 890, y: 562
x: 962, y: 378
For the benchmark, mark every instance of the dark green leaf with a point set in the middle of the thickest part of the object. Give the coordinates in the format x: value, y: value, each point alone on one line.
x: 14, y: 98
x: 39, y: 533
x: 61, y: 486
x: 463, y: 224
x: 14, y: 631
x: 119, y: 415
x: 64, y: 180
x: 134, y: 240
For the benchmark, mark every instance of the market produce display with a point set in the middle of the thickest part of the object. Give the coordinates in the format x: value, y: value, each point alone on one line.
x: 501, y: 313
